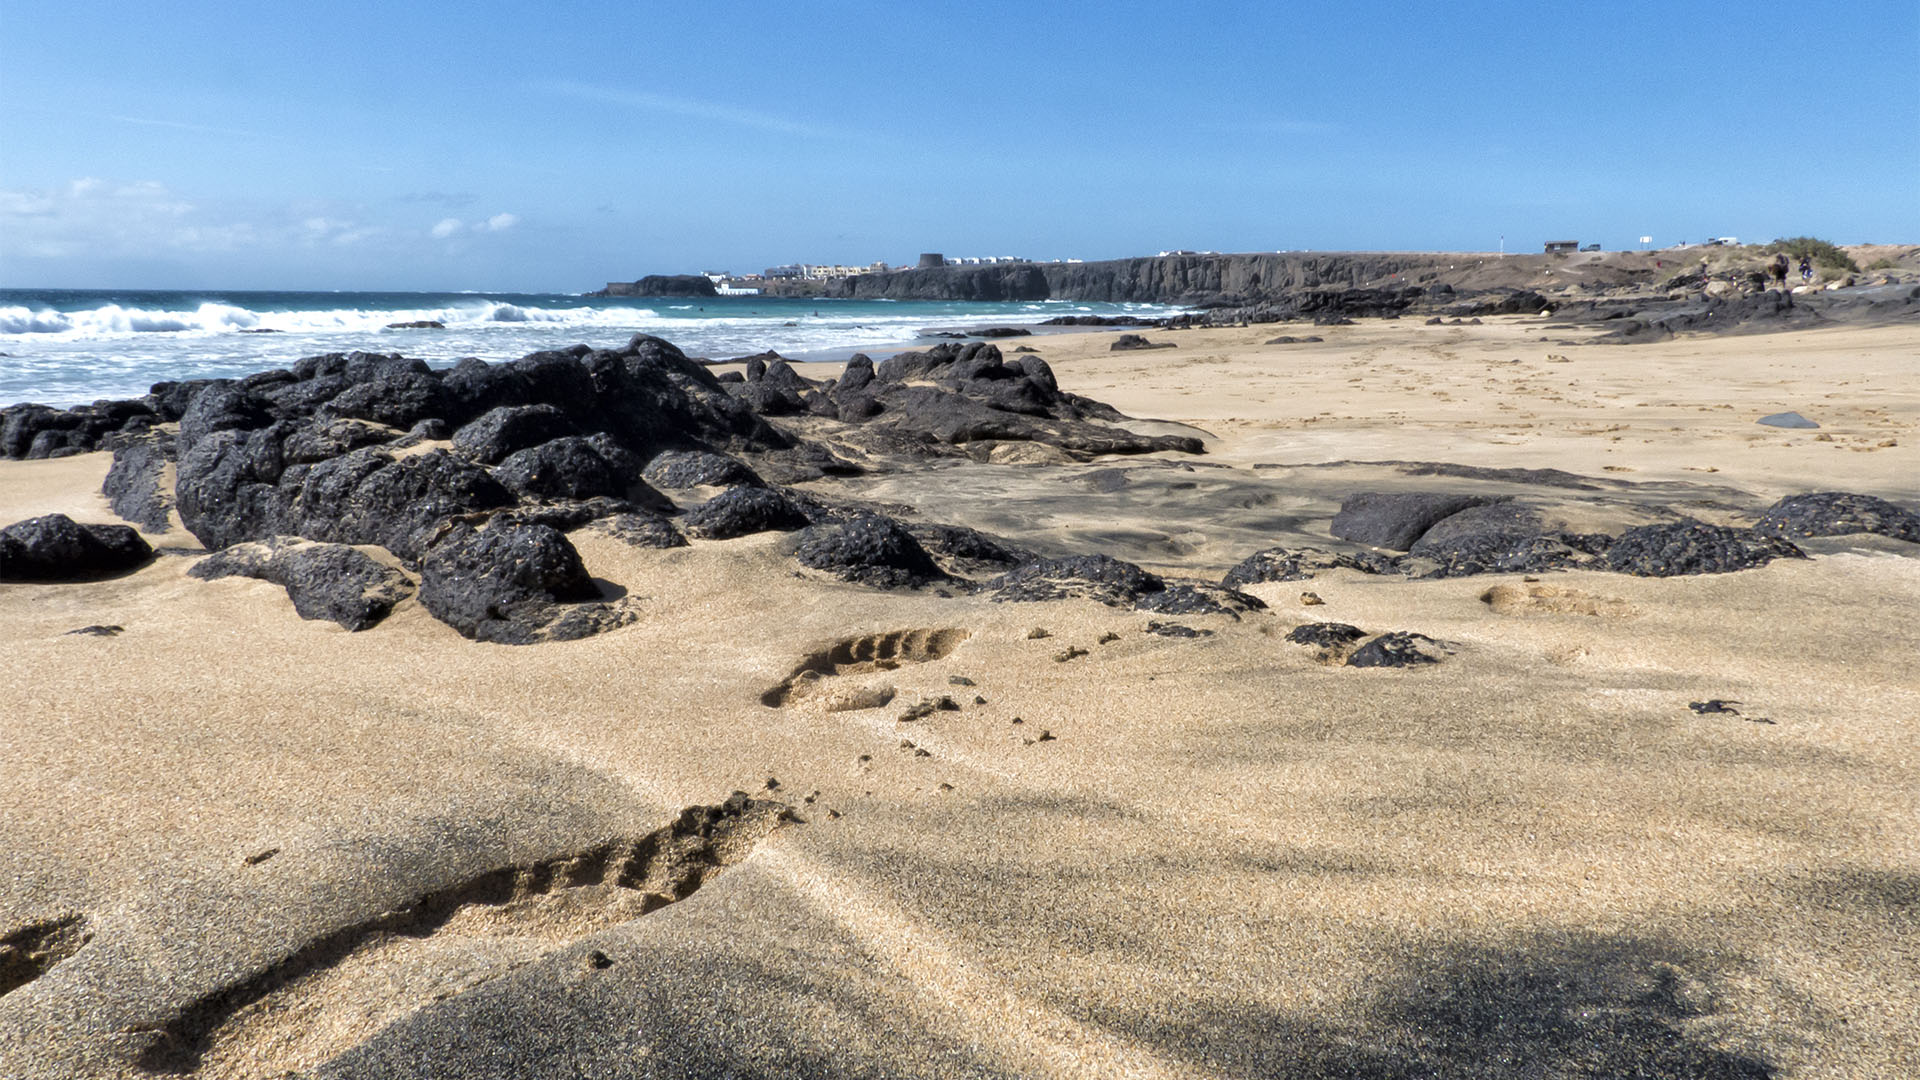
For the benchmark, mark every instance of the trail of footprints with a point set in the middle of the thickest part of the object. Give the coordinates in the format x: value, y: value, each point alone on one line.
x: 339, y: 989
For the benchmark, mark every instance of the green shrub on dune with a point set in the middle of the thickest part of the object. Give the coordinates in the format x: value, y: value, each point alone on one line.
x: 1825, y: 256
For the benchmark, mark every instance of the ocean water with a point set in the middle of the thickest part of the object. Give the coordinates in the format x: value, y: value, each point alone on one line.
x: 66, y: 347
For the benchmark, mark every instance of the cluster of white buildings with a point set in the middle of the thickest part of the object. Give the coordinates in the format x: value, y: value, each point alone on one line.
x: 811, y: 272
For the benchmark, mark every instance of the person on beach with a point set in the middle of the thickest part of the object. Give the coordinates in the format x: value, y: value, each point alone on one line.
x: 1779, y: 269
x: 1806, y: 268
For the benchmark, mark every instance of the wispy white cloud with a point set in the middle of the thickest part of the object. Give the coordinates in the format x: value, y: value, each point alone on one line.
x: 669, y: 105
x: 448, y: 228
x: 94, y: 218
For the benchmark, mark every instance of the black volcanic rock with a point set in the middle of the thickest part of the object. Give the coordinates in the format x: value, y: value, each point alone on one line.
x: 1115, y: 583
x: 665, y: 285
x: 969, y: 551
x: 1396, y: 521
x: 506, y: 429
x: 871, y: 550
x: 1502, y: 537
x: 313, y: 440
x: 1838, y: 513
x: 571, y: 467
x: 741, y: 511
x: 682, y: 469
x: 1299, y: 564
x: 57, y: 548
x: 137, y: 487
x: 513, y: 585
x: 1694, y: 547
x: 324, y: 581
x: 1400, y: 648
x: 397, y: 399
x: 950, y: 395
x: 1127, y: 342
x: 224, y: 486
x: 1325, y: 635
x: 368, y: 497
x: 641, y: 528
x: 223, y: 407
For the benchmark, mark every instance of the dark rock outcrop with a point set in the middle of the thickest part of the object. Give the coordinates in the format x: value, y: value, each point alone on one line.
x: 325, y: 581
x: 1694, y: 547
x: 508, y: 429
x: 952, y: 395
x: 1325, y: 635
x: 1115, y: 583
x: 572, y: 467
x: 1395, y: 521
x: 369, y: 497
x: 1838, y: 513
x: 138, y: 487
x: 513, y: 585
x: 1300, y: 564
x: 640, y: 528
x: 741, y: 511
x: 870, y: 550
x: 667, y: 285
x: 682, y: 469
x: 57, y: 548
x: 1399, y: 648
x: 1129, y: 342
x: 1501, y: 537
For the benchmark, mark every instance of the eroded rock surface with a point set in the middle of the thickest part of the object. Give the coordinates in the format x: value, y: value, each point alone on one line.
x: 325, y: 581
x: 54, y: 547
x: 514, y: 585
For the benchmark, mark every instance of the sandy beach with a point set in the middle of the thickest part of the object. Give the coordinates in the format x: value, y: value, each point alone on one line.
x: 239, y: 843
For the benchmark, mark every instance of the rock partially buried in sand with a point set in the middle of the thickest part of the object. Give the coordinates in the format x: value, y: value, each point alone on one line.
x: 57, y: 548
x: 1129, y: 342
x: 1116, y: 583
x: 680, y: 469
x: 324, y: 581
x: 1400, y: 648
x: 871, y: 550
x: 513, y: 585
x: 742, y: 511
x: 1838, y: 513
x: 137, y: 487
x: 1694, y: 547
x: 1396, y: 520
x: 1786, y: 420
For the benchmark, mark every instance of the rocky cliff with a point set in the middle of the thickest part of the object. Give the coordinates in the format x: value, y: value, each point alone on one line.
x: 1165, y: 279
x: 660, y: 285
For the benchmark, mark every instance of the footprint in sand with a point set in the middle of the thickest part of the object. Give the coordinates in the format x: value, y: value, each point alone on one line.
x: 1536, y: 599
x: 854, y: 656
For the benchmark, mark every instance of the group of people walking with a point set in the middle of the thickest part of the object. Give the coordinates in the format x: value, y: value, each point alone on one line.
x: 1779, y: 268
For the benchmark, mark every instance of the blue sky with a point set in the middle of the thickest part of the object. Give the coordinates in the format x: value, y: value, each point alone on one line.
x: 493, y: 145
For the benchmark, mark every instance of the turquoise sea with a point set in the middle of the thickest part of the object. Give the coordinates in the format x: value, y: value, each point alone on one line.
x: 70, y: 346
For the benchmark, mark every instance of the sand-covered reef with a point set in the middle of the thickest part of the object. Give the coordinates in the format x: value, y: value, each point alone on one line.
x: 1424, y: 700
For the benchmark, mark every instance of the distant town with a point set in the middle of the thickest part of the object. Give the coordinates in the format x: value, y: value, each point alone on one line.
x: 730, y: 284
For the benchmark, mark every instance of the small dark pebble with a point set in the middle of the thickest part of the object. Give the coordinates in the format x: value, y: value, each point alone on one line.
x: 1073, y: 651
x: 833, y: 815
x: 98, y: 631
x: 1045, y: 736
x: 1109, y: 636
x: 978, y: 700
x: 259, y: 857
x: 1037, y: 633
x: 1176, y: 630
x: 944, y: 786
x: 959, y: 680
x: 772, y: 784
x: 1017, y: 720
x: 922, y: 752
x: 599, y: 960
x: 1713, y: 705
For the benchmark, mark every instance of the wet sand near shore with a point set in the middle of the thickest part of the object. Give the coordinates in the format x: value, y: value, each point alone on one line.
x: 236, y: 843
